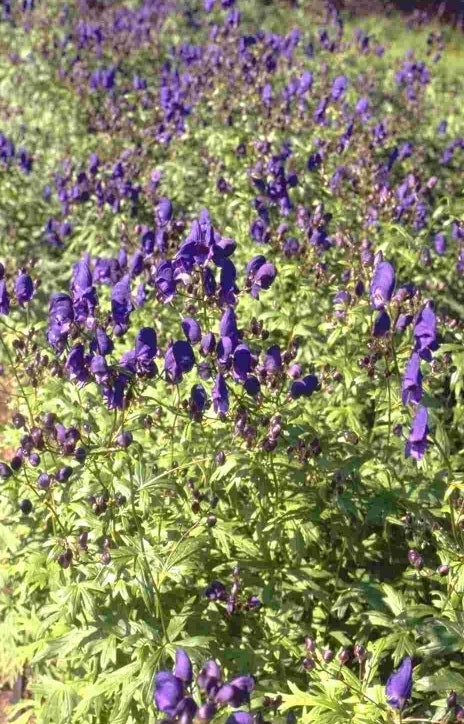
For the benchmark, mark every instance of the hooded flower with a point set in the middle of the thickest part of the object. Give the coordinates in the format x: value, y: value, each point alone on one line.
x: 163, y: 211
x: 239, y: 717
x: 416, y: 444
x: 382, y: 284
x: 179, y: 359
x: 121, y: 305
x: 4, y: 298
x: 60, y: 318
x: 399, y: 685
x: 220, y: 395
x: 260, y: 275
x: 183, y: 667
x: 191, y: 329
x: 24, y: 289
x: 76, y: 364
x: 304, y: 387
x: 382, y: 324
x: 411, y: 390
x: 425, y: 332
x: 169, y: 690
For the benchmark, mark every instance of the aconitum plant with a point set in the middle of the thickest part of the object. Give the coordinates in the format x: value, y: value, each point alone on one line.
x: 231, y: 370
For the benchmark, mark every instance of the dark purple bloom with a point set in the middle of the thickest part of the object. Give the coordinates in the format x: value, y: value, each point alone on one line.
x: 179, y: 359
x: 399, y: 685
x: 252, y: 385
x: 101, y: 343
x: 163, y: 211
x: 417, y: 442
x: 191, y: 329
x: 76, y: 364
x: 198, y: 399
x: 242, y: 361
x: 24, y: 289
x: 440, y: 243
x: 215, y: 590
x: 165, y: 281
x: 220, y: 395
x: 60, y: 318
x: 381, y: 324
x: 411, y: 390
x: 169, y: 690
x: 339, y: 87
x: 4, y: 298
x: 304, y: 387
x: 425, y: 332
x: 272, y: 362
x: 382, y: 284
x: 121, y: 305
x: 183, y: 666
x: 239, y: 717
x: 208, y: 343
x: 228, y: 325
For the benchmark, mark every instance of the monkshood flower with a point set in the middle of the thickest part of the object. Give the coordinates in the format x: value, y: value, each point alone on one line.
x: 121, y: 305
x: 439, y: 243
x: 220, y: 395
x: 24, y: 289
x: 382, y: 284
x: 399, y: 685
x: 163, y: 211
x: 179, y: 359
x: 83, y: 292
x: 416, y: 444
x: 77, y: 365
x: 4, y: 298
x: 140, y: 360
x: 339, y: 87
x: 382, y: 324
x: 425, y: 332
x: 411, y: 389
x: 304, y: 387
x: 260, y: 275
x: 60, y: 318
x: 172, y: 699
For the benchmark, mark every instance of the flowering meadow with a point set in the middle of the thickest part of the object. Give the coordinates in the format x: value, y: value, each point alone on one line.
x: 232, y: 363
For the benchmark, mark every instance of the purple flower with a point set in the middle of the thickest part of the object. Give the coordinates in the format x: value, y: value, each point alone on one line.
x: 425, y: 332
x: 121, y: 305
x: 4, y: 298
x: 179, y: 359
x: 272, y: 362
x: 239, y: 717
x: 169, y: 690
x: 339, y: 87
x: 198, y: 399
x: 183, y: 666
x: 416, y: 444
x: 163, y: 211
x: 208, y: 343
x: 304, y: 387
x: 220, y: 395
x: 215, y: 590
x: 242, y: 361
x: 252, y: 386
x: 261, y: 274
x: 165, y: 280
x: 381, y: 324
x: 76, y: 365
x: 228, y: 325
x: 440, y: 243
x: 101, y: 343
x: 24, y: 289
x: 60, y: 318
x: 382, y: 284
x: 399, y: 685
x: 411, y: 390
x: 191, y: 329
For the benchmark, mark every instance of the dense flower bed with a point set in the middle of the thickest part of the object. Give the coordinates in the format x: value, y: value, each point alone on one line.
x: 231, y: 321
